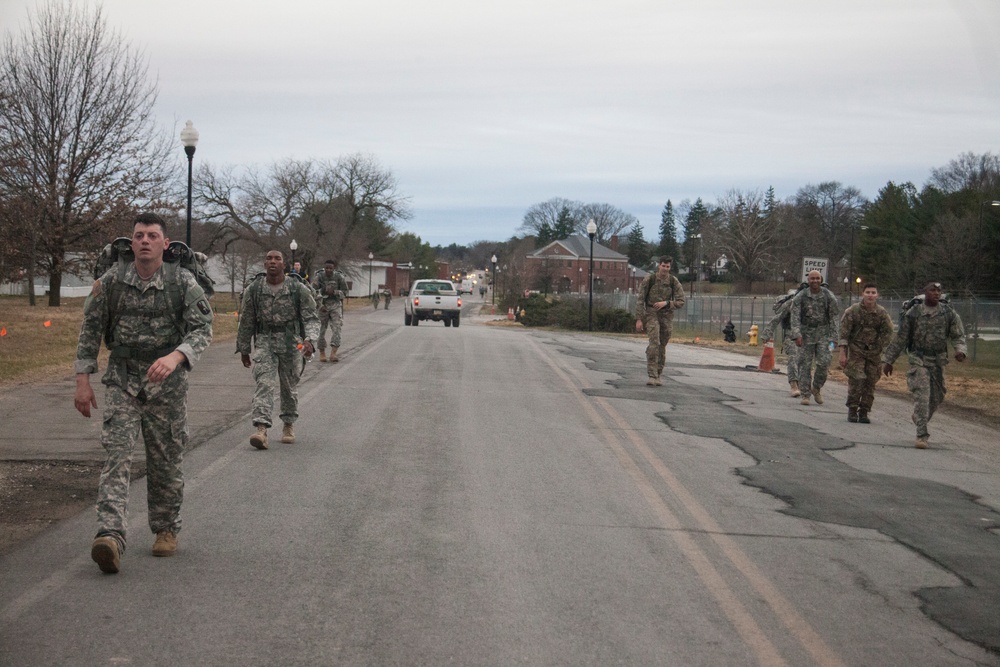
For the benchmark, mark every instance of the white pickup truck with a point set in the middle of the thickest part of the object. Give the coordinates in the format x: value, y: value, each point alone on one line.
x: 436, y: 300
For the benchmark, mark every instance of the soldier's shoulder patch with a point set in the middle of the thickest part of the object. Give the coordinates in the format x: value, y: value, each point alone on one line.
x: 204, y: 307
x: 95, y: 290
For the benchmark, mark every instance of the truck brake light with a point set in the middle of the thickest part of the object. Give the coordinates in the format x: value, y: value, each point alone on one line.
x: 459, y: 302
x: 416, y: 301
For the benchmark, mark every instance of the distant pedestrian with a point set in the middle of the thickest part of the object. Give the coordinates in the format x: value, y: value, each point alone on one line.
x: 375, y: 299
x: 156, y: 320
x: 865, y: 331
x: 388, y: 297
x: 660, y: 294
x: 331, y: 288
x: 924, y: 332
x: 278, y: 317
x: 815, y: 322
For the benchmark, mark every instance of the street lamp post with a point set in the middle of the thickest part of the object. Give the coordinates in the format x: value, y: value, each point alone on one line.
x: 189, y: 137
x: 293, y: 246
x: 371, y: 256
x: 697, y: 258
x: 850, y: 268
x: 494, y: 295
x: 591, y: 232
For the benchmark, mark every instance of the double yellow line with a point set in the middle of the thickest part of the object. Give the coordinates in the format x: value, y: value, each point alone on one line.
x: 612, y: 426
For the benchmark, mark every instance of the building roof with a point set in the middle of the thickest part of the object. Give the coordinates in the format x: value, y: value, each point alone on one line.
x: 578, y: 246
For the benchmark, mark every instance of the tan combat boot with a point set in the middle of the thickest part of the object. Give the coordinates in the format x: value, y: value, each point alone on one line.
x: 259, y: 438
x: 651, y: 382
x: 322, y: 355
x: 921, y: 442
x: 333, y: 354
x: 287, y: 434
x: 818, y: 396
x: 165, y: 544
x: 793, y: 387
x: 105, y: 553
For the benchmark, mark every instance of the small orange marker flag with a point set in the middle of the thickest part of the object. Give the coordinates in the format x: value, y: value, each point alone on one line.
x: 47, y: 323
x: 3, y: 332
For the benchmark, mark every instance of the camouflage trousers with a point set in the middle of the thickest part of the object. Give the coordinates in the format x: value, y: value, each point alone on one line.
x: 791, y: 351
x: 275, y: 367
x: 862, y: 376
x: 658, y: 328
x: 926, y: 383
x: 808, y: 353
x: 331, y: 316
x: 162, y: 420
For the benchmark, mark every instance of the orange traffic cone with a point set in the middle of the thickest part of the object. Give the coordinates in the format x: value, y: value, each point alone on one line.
x: 767, y: 358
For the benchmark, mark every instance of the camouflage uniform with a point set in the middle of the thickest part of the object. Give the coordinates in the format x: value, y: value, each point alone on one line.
x: 331, y: 292
x: 658, y: 323
x: 141, y: 331
x: 788, y: 345
x: 865, y: 333
x: 924, y: 334
x: 271, y: 322
x: 815, y: 318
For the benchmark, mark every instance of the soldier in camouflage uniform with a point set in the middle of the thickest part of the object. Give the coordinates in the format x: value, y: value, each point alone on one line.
x: 784, y: 318
x: 278, y: 316
x: 865, y: 331
x: 815, y: 318
x: 331, y: 286
x: 660, y: 294
x: 924, y: 332
x: 154, y: 343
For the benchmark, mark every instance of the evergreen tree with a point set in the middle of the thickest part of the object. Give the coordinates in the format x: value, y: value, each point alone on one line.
x: 565, y: 225
x: 668, y: 232
x: 638, y: 249
x: 544, y: 236
x: 770, y: 203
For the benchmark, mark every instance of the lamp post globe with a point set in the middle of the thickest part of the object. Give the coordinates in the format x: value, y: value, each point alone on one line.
x: 189, y: 137
x: 591, y: 232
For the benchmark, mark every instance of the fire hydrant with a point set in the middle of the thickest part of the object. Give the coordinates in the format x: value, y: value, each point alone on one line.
x: 753, y: 335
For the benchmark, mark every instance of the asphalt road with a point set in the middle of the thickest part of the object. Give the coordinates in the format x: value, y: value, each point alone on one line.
x: 495, y: 496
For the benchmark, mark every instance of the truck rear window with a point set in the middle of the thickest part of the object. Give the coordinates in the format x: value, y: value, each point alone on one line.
x: 433, y: 288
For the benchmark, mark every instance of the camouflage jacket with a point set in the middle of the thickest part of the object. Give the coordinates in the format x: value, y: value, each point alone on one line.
x: 815, y: 317
x: 865, y: 332
x: 652, y: 290
x: 282, y: 319
x: 143, y: 328
x: 330, y: 290
x: 924, y: 333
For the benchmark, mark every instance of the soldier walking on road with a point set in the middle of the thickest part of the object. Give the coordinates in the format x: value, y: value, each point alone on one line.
x: 815, y: 318
x: 278, y: 316
x: 865, y: 331
x: 331, y: 287
x: 783, y: 317
x: 156, y: 320
x: 924, y: 332
x: 660, y: 294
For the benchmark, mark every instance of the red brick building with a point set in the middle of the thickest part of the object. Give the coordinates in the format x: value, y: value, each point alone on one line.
x: 563, y: 266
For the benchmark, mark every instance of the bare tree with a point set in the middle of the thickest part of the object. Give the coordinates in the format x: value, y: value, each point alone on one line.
x: 978, y: 173
x: 544, y: 215
x: 747, y: 234
x: 610, y: 220
x: 828, y: 212
x: 78, y: 140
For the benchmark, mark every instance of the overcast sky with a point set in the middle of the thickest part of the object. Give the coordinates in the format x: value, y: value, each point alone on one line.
x: 482, y: 109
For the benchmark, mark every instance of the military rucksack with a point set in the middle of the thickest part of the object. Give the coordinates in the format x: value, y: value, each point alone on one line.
x: 786, y: 321
x: 177, y: 255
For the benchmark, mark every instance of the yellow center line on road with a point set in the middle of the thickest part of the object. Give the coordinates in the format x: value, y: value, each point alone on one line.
x: 735, y: 611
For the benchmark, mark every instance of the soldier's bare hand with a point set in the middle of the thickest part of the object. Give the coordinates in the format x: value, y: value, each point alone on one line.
x: 960, y: 356
x: 84, y: 398
x: 887, y: 369
x: 798, y: 341
x: 308, y: 349
x: 245, y: 358
x: 638, y: 326
x: 161, y: 369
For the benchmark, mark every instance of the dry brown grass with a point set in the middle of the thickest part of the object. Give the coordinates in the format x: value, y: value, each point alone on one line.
x: 30, y: 351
